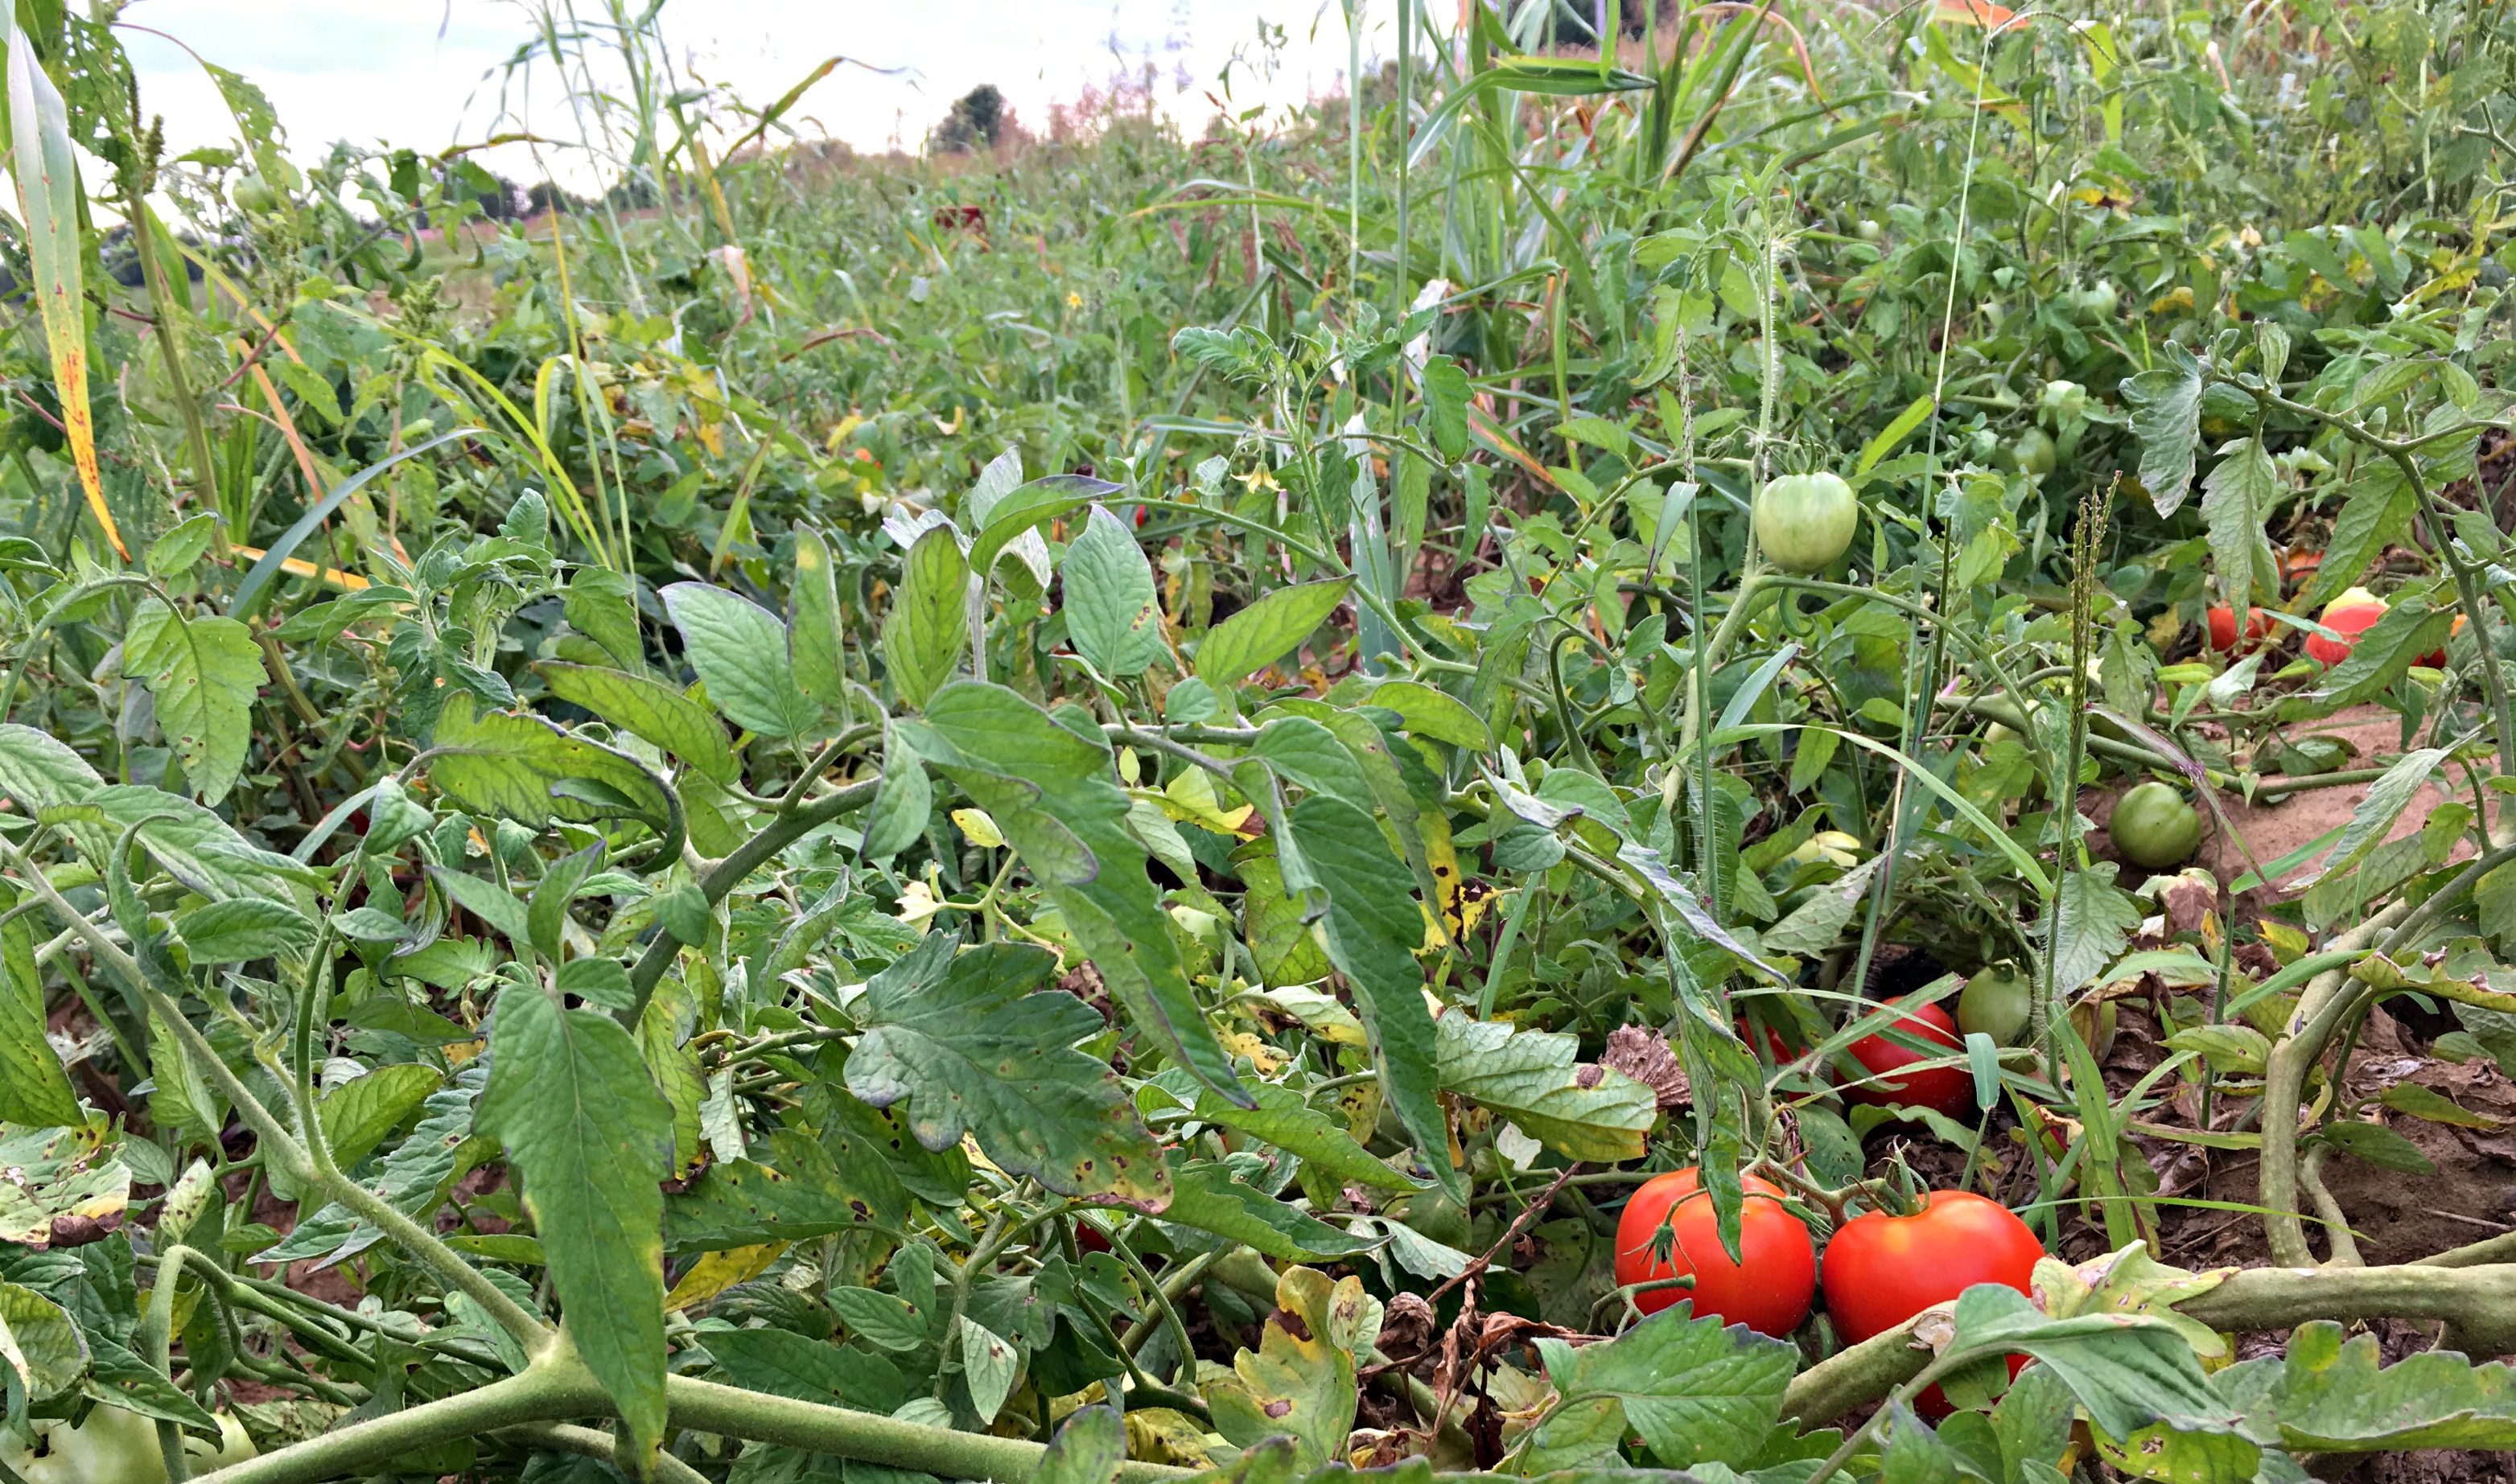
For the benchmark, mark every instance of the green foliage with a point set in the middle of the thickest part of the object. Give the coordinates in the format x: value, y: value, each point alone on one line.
x: 612, y: 811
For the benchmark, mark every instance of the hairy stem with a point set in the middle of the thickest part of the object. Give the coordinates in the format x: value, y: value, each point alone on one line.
x: 597, y: 1445
x: 866, y: 1436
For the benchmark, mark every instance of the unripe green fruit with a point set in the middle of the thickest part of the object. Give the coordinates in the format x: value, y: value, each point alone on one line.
x: 1996, y: 1002
x: 1805, y: 521
x: 2154, y: 828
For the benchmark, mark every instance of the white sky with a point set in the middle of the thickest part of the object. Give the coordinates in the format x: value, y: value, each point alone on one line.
x: 421, y: 72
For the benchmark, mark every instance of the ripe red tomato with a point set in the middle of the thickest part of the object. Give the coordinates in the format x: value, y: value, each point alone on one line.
x: 1767, y: 1293
x: 2349, y: 615
x: 2223, y: 627
x: 1881, y: 1269
x: 1950, y: 1089
x: 2435, y: 659
x: 1779, y: 1050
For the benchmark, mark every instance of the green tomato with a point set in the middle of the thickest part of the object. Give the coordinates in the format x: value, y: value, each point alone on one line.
x: 2034, y: 453
x: 1805, y: 521
x: 252, y: 194
x: 115, y: 1447
x: 2154, y: 828
x: 1867, y: 231
x: 1996, y: 1002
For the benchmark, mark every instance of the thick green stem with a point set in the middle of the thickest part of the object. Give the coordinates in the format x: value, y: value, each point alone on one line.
x: 594, y: 1443
x: 866, y: 1436
x: 556, y: 1386
x: 2319, y: 1009
x: 2479, y: 1301
x: 1752, y: 587
x: 157, y: 1344
x: 2325, y: 1004
x: 275, y: 1138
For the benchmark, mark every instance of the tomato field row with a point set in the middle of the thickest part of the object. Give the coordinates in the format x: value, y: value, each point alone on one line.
x: 1771, y: 750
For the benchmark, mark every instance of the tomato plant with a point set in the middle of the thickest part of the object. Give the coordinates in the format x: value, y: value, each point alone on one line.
x: 1767, y: 1289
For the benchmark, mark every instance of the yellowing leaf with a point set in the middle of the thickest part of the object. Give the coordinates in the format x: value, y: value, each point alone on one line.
x: 981, y: 830
x: 1190, y: 799
x: 715, y: 1272
x: 47, y: 193
x: 1300, y: 1382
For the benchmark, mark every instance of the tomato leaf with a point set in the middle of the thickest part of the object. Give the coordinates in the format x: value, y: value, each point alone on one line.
x: 649, y: 708
x: 1582, y: 1111
x: 816, y: 645
x: 739, y: 650
x: 204, y: 674
x: 1694, y: 1391
x: 923, y: 637
x: 1371, y: 921
x: 1300, y: 1382
x: 2166, y: 420
x: 1054, y: 794
x: 1220, y: 1196
x: 570, y: 1101
x: 1266, y: 631
x: 34, y: 1090
x: 974, y: 1046
x: 1112, y: 613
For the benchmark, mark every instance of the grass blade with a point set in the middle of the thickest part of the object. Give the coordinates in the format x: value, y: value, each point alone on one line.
x: 48, y: 189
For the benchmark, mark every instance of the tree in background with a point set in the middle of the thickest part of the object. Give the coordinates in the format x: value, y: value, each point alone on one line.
x: 977, y: 118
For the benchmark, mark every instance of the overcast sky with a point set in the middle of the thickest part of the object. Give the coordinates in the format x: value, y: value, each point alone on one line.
x: 423, y: 73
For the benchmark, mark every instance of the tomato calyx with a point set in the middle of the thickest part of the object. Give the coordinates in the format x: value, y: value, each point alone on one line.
x: 1899, y: 1192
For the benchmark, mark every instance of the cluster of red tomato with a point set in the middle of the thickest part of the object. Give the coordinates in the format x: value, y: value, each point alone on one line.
x: 2348, y: 616
x: 1881, y: 1268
